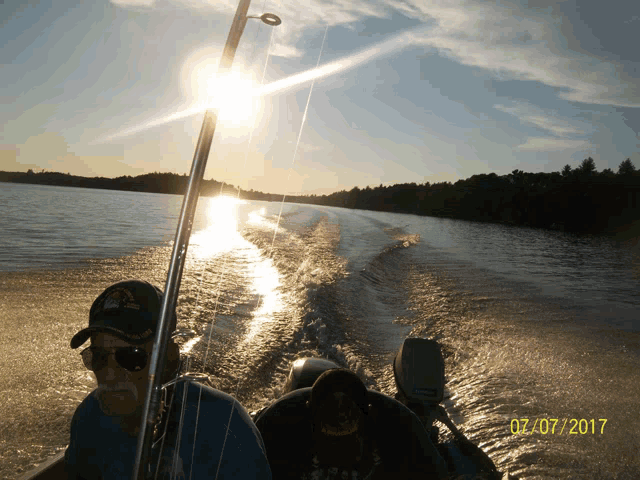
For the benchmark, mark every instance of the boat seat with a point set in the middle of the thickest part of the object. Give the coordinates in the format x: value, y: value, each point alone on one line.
x: 286, y: 430
x: 404, y: 445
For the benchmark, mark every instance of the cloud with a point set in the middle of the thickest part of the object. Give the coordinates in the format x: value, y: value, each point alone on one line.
x: 586, y: 84
x: 8, y: 159
x: 300, y: 80
x: 550, y: 121
x: 386, y: 47
x: 510, y: 41
x: 43, y: 148
x: 516, y: 45
x: 50, y: 150
x: 19, y: 123
x: 287, y: 51
x: 133, y: 3
x: 546, y: 144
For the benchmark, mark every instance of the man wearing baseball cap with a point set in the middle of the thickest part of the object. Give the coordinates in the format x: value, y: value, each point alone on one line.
x: 122, y: 326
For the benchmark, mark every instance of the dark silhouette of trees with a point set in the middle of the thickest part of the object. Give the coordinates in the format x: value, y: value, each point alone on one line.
x: 579, y: 200
x: 587, y: 167
x: 626, y: 168
x: 608, y: 173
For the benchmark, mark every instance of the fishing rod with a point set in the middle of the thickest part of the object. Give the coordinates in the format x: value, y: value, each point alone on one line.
x: 178, y: 255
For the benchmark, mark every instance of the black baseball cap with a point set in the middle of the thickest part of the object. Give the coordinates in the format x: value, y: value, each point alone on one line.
x: 325, y: 409
x: 129, y: 310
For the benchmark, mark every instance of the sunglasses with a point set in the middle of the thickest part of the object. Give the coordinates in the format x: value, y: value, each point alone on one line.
x: 132, y: 359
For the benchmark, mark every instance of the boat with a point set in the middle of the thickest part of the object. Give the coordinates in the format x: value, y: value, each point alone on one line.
x: 405, y: 442
x: 402, y: 439
x: 401, y: 428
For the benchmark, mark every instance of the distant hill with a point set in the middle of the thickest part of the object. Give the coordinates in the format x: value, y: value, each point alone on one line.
x: 579, y: 200
x: 170, y: 183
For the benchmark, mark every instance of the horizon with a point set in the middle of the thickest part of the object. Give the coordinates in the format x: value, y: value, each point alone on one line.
x: 391, y: 185
x: 406, y: 92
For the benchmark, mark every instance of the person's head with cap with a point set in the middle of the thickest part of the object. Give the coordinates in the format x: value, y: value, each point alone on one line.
x: 339, y: 406
x: 123, y: 322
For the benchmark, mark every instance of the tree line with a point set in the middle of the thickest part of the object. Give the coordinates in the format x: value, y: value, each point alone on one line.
x: 577, y: 200
x: 156, y: 182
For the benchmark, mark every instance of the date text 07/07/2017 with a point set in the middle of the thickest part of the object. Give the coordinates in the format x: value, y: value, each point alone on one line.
x: 548, y: 426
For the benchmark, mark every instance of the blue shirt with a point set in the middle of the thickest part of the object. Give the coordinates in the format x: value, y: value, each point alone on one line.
x: 100, y: 449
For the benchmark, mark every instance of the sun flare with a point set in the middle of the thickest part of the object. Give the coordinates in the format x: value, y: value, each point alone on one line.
x: 234, y: 95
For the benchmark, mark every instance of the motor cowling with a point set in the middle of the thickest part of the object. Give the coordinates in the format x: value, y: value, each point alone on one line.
x: 305, y: 371
x: 418, y: 371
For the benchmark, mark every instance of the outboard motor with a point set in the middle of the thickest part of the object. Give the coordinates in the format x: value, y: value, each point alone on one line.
x: 418, y: 370
x: 419, y: 374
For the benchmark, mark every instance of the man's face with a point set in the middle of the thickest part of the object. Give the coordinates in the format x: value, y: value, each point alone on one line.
x: 120, y: 392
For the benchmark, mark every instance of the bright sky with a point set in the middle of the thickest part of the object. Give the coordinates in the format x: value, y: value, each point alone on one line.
x: 411, y: 90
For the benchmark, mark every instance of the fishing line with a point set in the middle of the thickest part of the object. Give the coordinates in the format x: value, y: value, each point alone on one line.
x: 220, y: 285
x: 260, y: 297
x: 168, y: 408
x: 254, y: 43
x: 246, y: 154
x: 304, y: 117
x: 176, y: 452
x: 164, y: 432
x: 271, y: 249
x: 202, y: 274
x: 202, y: 271
x: 225, y: 257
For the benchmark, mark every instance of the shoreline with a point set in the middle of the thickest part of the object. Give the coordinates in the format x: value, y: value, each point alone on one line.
x: 622, y: 230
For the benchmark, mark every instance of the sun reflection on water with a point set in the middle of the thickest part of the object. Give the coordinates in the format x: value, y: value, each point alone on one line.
x: 257, y: 216
x: 266, y: 281
x: 222, y: 234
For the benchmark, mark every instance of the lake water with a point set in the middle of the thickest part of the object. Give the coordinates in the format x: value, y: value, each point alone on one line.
x: 534, y: 324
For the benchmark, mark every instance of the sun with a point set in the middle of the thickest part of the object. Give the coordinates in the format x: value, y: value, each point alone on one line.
x: 234, y: 96
x: 235, y: 99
